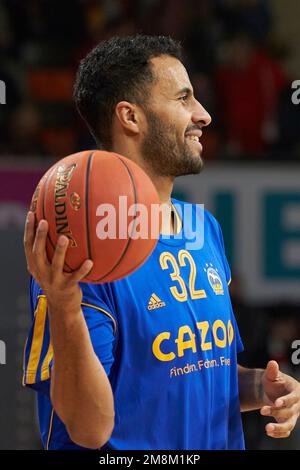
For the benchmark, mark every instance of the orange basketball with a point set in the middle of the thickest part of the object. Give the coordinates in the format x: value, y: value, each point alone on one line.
x: 99, y: 200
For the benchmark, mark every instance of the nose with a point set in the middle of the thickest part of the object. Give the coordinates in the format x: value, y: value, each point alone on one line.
x: 200, y: 115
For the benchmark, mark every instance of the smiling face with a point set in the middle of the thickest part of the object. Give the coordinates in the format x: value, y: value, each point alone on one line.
x: 175, y: 120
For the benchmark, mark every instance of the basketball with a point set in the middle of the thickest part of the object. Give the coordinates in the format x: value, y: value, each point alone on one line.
x: 99, y: 200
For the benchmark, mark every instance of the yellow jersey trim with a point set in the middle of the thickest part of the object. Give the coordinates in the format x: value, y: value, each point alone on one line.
x: 228, y: 283
x: 37, y: 340
x: 103, y: 311
x: 178, y: 221
x: 24, y: 369
x: 29, y: 373
x: 50, y: 429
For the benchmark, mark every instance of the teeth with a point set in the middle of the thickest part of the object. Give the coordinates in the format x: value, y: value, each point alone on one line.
x: 193, y: 137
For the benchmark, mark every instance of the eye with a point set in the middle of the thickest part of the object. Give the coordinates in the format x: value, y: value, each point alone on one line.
x: 184, y: 98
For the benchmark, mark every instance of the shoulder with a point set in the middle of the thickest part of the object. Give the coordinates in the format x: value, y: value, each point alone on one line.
x: 200, y: 211
x: 212, y: 221
x: 99, y: 297
x: 36, y: 293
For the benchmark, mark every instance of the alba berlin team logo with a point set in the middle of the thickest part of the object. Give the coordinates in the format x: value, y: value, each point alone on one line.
x: 214, y: 279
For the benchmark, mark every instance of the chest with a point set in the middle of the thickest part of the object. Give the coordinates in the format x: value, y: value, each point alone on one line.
x: 177, y: 300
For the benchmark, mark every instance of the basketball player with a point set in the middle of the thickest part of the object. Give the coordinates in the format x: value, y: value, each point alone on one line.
x: 150, y: 361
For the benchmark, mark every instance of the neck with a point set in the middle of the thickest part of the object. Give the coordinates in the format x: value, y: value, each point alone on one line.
x: 164, y: 187
x: 163, y: 184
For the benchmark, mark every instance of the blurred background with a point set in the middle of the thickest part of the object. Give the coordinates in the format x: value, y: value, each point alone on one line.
x: 242, y: 57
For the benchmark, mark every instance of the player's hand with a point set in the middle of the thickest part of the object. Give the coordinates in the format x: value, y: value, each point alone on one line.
x: 282, y: 398
x: 61, y: 289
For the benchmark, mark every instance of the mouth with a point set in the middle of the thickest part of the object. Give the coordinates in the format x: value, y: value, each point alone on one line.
x: 194, y: 138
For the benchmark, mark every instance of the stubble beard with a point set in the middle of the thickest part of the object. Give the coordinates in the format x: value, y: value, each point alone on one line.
x: 164, y: 152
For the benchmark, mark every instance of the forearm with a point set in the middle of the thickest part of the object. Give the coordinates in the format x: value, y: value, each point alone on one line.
x: 80, y: 390
x: 250, y: 388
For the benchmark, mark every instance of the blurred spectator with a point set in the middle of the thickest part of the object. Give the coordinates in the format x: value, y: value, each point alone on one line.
x: 24, y: 133
x: 248, y: 88
x: 6, y: 32
x: 242, y: 86
x: 103, y: 19
x: 251, y: 16
x: 204, y: 92
x: 167, y: 17
x: 47, y: 20
x: 202, y: 29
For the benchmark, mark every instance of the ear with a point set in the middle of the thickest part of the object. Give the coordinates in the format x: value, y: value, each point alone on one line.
x: 128, y: 116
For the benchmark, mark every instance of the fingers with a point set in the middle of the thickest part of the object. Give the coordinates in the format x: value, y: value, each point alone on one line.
x: 285, y: 411
x: 35, y: 244
x: 272, y: 370
x: 36, y: 255
x: 280, y: 430
x: 82, y: 272
x: 39, y: 245
x: 285, y: 401
x: 29, y: 233
x: 58, y: 259
x: 279, y: 414
x: 29, y: 230
x: 58, y: 262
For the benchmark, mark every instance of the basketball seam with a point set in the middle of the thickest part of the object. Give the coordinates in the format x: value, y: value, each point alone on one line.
x: 134, y: 224
x: 87, y: 222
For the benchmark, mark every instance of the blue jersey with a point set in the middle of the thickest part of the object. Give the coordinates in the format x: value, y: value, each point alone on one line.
x: 168, y: 340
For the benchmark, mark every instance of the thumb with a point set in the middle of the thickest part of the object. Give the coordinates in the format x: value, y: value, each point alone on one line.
x: 272, y: 371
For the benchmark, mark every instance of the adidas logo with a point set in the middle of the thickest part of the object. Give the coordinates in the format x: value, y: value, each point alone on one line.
x: 155, y: 302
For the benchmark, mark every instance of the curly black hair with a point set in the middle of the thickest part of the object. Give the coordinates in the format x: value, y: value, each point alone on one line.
x: 117, y: 69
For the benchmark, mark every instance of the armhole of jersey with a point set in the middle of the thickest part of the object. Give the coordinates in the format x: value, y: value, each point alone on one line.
x: 31, y: 374
x: 224, y: 257
x: 100, y: 309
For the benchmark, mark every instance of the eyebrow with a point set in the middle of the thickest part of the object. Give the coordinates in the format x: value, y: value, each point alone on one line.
x: 186, y: 90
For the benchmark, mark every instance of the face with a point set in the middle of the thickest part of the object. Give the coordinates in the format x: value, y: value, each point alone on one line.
x: 175, y: 120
